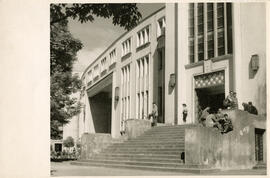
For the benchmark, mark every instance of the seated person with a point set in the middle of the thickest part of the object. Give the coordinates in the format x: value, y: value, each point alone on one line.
x: 250, y: 108
x: 227, y: 125
x: 203, y: 116
x: 219, y: 120
x: 253, y: 109
x: 246, y: 107
x: 228, y: 100
x: 231, y: 101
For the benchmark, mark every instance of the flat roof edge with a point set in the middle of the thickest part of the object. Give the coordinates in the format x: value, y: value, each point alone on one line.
x: 120, y: 38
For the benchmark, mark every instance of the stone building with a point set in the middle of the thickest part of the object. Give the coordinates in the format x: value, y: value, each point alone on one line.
x: 192, y: 53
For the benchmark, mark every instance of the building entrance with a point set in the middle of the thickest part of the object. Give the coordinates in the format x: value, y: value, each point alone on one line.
x: 209, y: 92
x: 100, y: 101
x: 212, y: 97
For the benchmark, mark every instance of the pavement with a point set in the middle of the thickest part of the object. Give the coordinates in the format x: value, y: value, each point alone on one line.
x: 66, y: 169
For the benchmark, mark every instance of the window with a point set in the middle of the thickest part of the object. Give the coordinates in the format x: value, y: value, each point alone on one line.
x: 205, y: 38
x: 200, y: 27
x: 143, y: 36
x: 210, y: 30
x: 220, y: 26
x: 96, y: 71
x: 126, y: 47
x: 125, y: 95
x: 112, y: 56
x: 191, y: 33
x: 161, y: 26
x: 83, y: 81
x: 90, y: 76
x: 103, y: 64
x: 142, y: 83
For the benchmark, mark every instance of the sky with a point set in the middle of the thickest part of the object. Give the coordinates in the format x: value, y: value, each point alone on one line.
x: 98, y: 35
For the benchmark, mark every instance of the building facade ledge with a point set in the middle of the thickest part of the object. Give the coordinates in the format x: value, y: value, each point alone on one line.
x: 123, y: 58
x: 215, y: 59
x: 142, y: 46
x: 112, y: 66
x: 103, y: 73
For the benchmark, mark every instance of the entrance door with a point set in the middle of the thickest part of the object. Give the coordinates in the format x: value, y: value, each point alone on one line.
x: 212, y: 97
x: 209, y: 92
x: 259, y: 145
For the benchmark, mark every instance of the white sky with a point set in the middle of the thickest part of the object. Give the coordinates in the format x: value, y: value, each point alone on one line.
x: 97, y: 36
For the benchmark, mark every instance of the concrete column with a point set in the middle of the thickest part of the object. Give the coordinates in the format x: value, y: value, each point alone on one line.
x: 183, y: 59
x: 236, y: 21
x: 169, y: 64
x: 115, y: 115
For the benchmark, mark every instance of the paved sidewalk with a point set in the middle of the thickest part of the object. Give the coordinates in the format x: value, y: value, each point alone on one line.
x: 66, y: 169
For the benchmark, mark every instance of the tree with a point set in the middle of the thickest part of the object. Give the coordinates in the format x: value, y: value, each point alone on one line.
x: 125, y: 15
x: 64, y: 48
x: 68, y: 142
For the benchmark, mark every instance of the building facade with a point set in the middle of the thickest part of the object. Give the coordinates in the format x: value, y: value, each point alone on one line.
x: 185, y: 53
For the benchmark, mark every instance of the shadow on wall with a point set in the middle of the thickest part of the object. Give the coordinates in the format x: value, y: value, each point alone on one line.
x: 251, y: 72
x: 261, y: 99
x: 170, y: 87
x: 100, y: 106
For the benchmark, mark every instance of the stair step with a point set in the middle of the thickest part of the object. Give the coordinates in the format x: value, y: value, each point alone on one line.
x: 152, y: 139
x: 137, y: 155
x: 141, y: 163
x: 152, y: 143
x: 178, y: 152
x: 162, y: 136
x: 129, y: 146
x: 161, y: 141
x: 143, y: 149
x: 157, y: 168
x: 166, y: 131
x: 140, y: 159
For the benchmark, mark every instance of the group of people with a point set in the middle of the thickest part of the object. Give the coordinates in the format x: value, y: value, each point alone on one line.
x: 219, y: 120
x: 231, y: 102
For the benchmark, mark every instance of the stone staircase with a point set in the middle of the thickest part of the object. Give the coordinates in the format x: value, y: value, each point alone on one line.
x: 160, y: 148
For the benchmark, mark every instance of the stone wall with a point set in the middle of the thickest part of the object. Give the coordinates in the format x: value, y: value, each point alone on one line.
x: 234, y: 150
x: 94, y: 143
x: 136, y: 127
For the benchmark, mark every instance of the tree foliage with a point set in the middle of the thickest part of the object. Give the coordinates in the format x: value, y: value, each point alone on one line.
x: 64, y: 48
x: 68, y: 142
x: 125, y: 15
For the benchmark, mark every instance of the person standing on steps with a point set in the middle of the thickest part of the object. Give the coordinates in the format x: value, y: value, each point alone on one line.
x: 154, y: 113
x: 185, y: 112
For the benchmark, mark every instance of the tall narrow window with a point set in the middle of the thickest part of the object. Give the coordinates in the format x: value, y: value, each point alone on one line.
x: 113, y: 56
x: 211, y: 25
x: 161, y: 26
x: 229, y: 27
x: 191, y: 33
x: 210, y: 30
x: 125, y: 94
x: 126, y: 47
x: 200, y: 27
x: 143, y: 36
x: 220, y: 30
